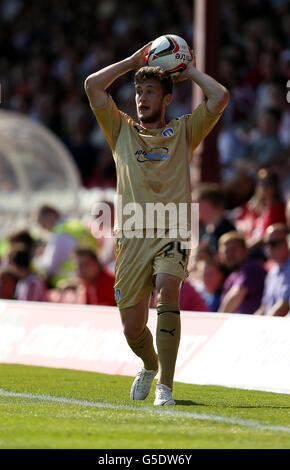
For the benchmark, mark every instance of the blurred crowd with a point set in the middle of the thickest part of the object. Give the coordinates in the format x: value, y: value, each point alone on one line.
x: 240, y: 265
x: 48, y: 48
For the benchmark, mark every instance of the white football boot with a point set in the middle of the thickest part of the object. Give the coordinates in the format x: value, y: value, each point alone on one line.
x: 163, y: 396
x: 142, y: 384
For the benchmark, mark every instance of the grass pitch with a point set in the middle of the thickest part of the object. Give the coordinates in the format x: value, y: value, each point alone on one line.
x: 44, y: 408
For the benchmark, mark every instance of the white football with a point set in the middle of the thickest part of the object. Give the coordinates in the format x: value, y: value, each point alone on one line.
x: 171, y: 53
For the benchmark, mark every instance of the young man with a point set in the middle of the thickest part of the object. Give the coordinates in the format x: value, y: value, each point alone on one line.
x: 276, y: 296
x: 97, y: 280
x: 243, y: 288
x: 152, y: 162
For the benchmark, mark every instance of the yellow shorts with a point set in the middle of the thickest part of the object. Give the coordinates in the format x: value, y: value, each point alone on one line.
x: 138, y: 260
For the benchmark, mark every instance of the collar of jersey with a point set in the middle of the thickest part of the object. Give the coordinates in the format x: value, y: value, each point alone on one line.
x: 157, y: 130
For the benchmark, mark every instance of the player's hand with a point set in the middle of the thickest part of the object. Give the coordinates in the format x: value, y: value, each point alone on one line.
x: 139, y: 58
x: 187, y: 72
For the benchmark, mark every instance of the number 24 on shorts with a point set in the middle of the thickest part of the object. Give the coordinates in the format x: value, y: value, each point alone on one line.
x: 170, y: 249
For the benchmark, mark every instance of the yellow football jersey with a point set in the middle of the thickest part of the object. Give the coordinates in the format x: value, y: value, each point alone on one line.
x: 152, y: 165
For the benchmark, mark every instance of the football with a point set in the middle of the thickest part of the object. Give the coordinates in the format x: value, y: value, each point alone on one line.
x: 171, y: 53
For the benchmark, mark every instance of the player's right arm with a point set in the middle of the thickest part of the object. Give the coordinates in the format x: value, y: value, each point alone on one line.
x: 97, y: 83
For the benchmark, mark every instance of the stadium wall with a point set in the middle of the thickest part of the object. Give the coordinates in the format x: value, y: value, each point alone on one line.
x: 230, y: 350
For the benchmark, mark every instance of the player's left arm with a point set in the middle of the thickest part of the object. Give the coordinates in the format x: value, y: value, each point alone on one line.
x: 217, y: 95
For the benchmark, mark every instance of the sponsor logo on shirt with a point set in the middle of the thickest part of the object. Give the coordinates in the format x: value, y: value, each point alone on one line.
x: 156, y: 154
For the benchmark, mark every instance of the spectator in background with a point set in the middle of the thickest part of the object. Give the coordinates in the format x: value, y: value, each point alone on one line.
x: 29, y: 286
x: 98, y: 282
x: 57, y: 261
x: 276, y: 297
x: 211, y: 213
x: 243, y: 288
x: 8, y: 282
x: 22, y: 238
x: 43, y: 63
x: 213, y: 275
x: 265, y: 208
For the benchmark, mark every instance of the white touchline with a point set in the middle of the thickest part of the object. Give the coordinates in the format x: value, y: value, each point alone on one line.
x: 163, y: 411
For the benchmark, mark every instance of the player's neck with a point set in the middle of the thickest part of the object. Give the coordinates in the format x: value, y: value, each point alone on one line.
x: 154, y: 125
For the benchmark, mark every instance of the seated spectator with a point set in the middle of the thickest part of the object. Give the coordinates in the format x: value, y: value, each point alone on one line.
x: 98, y: 282
x: 213, y: 276
x: 8, y: 282
x: 276, y: 296
x: 243, y: 288
x: 30, y: 286
x: 265, y: 208
x: 57, y: 262
x: 211, y: 214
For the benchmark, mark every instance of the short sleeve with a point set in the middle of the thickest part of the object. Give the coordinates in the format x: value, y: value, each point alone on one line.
x: 199, y: 124
x: 109, y: 120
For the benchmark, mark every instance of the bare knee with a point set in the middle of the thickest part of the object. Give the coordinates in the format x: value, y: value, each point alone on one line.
x: 134, y: 319
x: 165, y: 294
x: 168, y: 288
x: 132, y: 331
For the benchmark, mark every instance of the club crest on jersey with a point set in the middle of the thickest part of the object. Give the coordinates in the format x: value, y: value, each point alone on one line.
x: 168, y: 132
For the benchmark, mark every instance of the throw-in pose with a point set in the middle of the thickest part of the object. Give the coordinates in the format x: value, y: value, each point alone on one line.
x: 152, y: 162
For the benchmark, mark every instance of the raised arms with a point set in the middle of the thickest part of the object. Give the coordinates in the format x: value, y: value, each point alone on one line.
x: 97, y: 83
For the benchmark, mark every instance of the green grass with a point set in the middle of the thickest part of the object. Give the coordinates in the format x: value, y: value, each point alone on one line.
x: 29, y: 423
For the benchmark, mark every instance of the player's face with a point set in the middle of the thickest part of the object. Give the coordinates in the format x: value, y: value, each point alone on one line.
x: 150, y: 101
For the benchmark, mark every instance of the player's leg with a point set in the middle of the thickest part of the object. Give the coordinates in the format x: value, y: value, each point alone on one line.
x: 167, y: 334
x: 140, y: 340
x: 133, y: 287
x: 170, y: 269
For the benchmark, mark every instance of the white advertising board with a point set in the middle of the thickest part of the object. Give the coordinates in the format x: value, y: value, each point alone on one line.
x: 231, y: 350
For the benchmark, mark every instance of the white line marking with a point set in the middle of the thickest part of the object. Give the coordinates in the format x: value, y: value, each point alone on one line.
x: 157, y: 410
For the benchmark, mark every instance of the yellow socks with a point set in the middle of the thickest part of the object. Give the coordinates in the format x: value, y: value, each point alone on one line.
x: 143, y: 347
x: 167, y: 340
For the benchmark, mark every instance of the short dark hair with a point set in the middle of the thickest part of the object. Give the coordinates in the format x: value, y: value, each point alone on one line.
x: 211, y: 192
x: 20, y: 257
x: 22, y: 237
x: 44, y: 210
x: 86, y: 252
x: 155, y: 73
